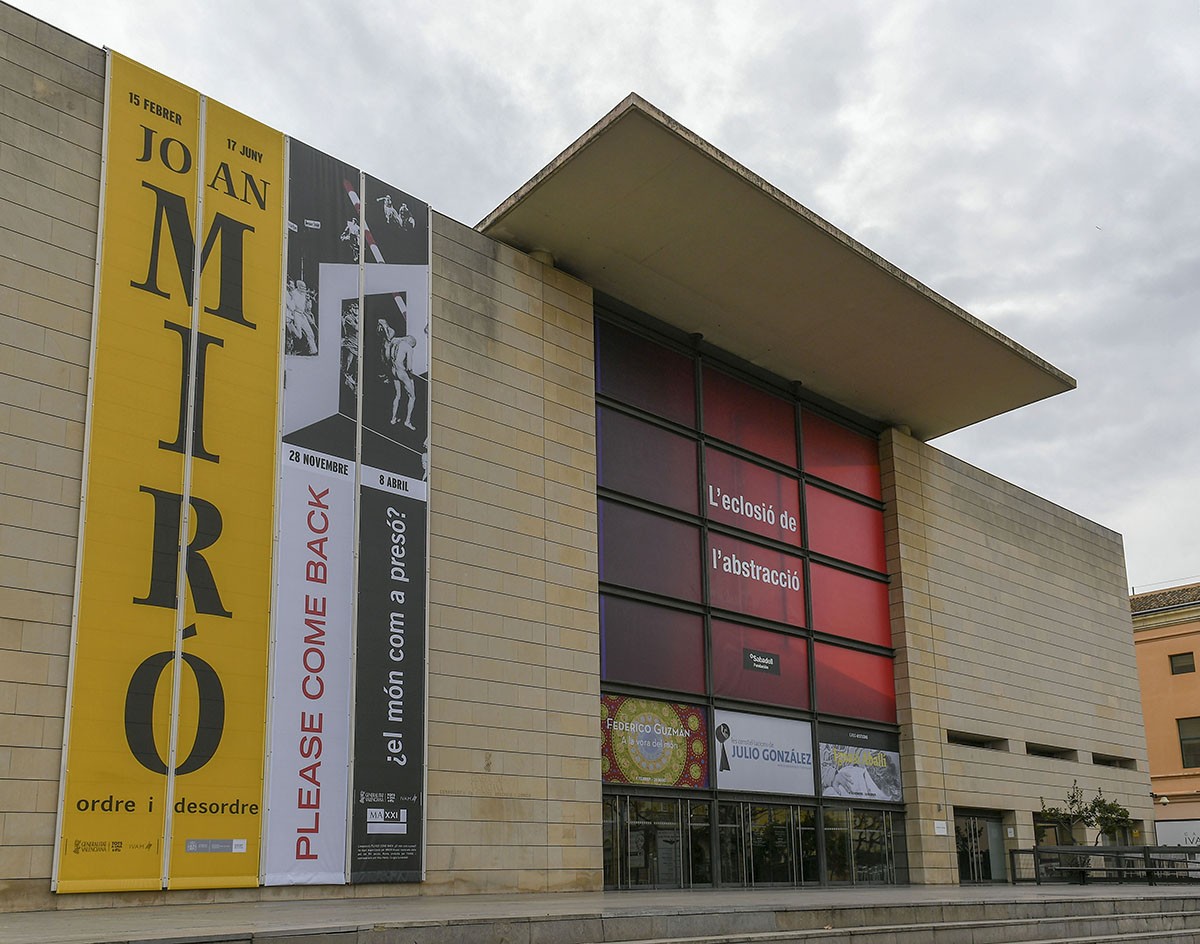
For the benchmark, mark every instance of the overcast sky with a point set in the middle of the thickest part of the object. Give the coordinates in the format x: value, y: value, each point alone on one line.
x: 1036, y: 162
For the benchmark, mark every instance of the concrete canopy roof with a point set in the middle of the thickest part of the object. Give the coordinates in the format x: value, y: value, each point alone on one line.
x: 648, y: 212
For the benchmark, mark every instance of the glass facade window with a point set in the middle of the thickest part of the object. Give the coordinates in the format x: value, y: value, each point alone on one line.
x: 624, y: 445
x: 648, y: 552
x: 744, y: 495
x: 749, y: 417
x: 854, y: 684
x: 668, y: 842
x: 759, y: 665
x: 654, y: 843
x: 848, y: 605
x: 843, y: 528
x: 840, y: 455
x: 772, y: 845
x: 754, y: 580
x: 731, y: 830
x: 741, y: 536
x: 805, y: 820
x: 652, y: 646
x: 649, y: 376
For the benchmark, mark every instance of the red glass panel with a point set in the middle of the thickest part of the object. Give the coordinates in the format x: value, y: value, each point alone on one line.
x: 854, y: 684
x: 749, y: 417
x: 748, y: 496
x: 843, y: 528
x: 649, y: 645
x: 641, y: 459
x: 840, y: 455
x: 849, y: 605
x: 745, y: 578
x: 639, y: 372
x: 645, y: 551
x: 759, y: 665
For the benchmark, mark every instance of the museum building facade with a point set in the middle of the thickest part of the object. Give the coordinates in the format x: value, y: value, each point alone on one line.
x: 645, y: 546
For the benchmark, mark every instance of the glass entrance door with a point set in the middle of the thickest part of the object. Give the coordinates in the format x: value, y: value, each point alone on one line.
x: 979, y: 838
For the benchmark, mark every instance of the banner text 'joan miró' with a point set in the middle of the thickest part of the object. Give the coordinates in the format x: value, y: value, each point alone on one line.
x: 260, y: 395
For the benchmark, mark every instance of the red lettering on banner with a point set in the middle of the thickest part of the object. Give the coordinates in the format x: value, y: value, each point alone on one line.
x: 312, y: 685
x: 308, y: 799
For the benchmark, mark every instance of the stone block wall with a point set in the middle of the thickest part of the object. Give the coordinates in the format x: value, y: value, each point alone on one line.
x: 1011, y: 625
x: 51, y: 119
x: 514, y: 663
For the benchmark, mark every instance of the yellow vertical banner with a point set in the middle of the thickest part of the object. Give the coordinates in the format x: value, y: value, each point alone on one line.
x: 114, y: 797
x: 216, y: 812
x: 163, y: 748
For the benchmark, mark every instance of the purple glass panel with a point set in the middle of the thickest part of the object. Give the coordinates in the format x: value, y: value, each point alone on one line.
x: 641, y: 373
x: 641, y: 459
x: 644, y: 551
x: 649, y: 645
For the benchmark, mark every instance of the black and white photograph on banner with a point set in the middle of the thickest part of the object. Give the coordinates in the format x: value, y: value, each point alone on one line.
x: 860, y: 763
x: 395, y: 331
x: 320, y: 304
x: 395, y: 392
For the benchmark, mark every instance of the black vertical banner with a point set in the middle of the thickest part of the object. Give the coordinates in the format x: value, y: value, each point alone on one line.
x: 388, y: 796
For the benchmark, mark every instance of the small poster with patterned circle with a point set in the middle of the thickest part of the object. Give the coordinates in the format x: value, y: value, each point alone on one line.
x: 657, y: 743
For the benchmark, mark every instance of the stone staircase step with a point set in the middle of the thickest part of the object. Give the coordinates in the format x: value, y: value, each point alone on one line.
x: 1146, y: 927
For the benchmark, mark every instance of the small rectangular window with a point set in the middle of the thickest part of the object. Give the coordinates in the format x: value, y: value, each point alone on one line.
x: 1112, y: 760
x: 1050, y: 750
x: 967, y: 739
x: 1189, y: 741
x: 1182, y: 663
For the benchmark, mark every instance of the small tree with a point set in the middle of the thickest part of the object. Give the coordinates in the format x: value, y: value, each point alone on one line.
x: 1108, y: 816
x: 1066, y: 818
x: 1112, y: 818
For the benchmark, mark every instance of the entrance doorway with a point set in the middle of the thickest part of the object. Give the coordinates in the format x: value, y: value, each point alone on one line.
x: 979, y: 838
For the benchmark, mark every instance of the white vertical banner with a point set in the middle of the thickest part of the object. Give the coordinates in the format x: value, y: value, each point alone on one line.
x: 309, y: 760
x: 305, y: 837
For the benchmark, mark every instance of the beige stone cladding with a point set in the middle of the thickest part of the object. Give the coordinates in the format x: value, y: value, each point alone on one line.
x: 514, y: 755
x: 1015, y: 673
x: 514, y: 685
x: 51, y: 89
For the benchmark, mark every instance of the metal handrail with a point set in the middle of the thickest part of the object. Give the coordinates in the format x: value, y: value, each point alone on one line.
x: 1151, y: 865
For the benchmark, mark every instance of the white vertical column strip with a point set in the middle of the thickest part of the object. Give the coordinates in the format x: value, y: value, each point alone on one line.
x: 428, y: 547
x: 358, y: 431
x: 181, y: 578
x: 273, y: 624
